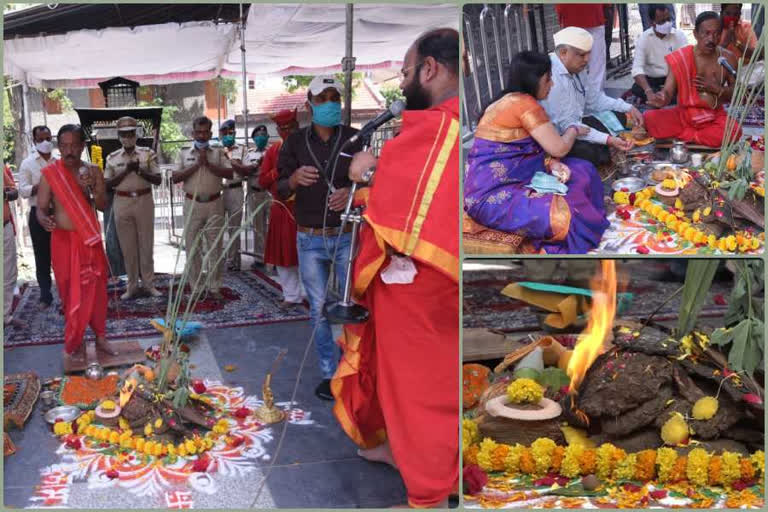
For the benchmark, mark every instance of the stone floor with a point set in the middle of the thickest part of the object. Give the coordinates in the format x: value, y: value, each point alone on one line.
x: 316, y: 467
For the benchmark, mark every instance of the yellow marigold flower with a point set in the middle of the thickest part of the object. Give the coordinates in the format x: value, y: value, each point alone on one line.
x: 108, y: 405
x: 707, y: 211
x: 698, y: 465
x: 731, y: 468
x: 527, y: 464
x: 758, y: 461
x: 689, y: 234
x: 525, y: 391
x: 620, y: 197
x: 696, y: 215
x: 191, y: 448
x: 722, y: 244
x: 470, y: 456
x: 157, y: 450
x: 148, y: 447
x: 665, y: 458
x: 512, y: 462
x: 484, y: 457
x: 129, y: 443
x: 705, y: 408
x: 181, y: 450
x: 669, y: 184
x: 645, y: 469
x: 675, y: 430
x: 755, y: 243
x: 678, y: 204
x: 123, y: 423
x: 681, y: 227
x: 148, y: 429
x: 542, y: 449
x: 158, y: 422
x: 208, y: 443
x: 140, y: 442
x: 745, y: 247
x: 571, y: 466
x: 712, y: 241
x: 680, y: 214
x: 469, y: 433
x: 608, y: 456
x: 672, y: 223
x: 625, y: 470
x: 114, y: 437
x: 700, y: 237
x: 731, y: 241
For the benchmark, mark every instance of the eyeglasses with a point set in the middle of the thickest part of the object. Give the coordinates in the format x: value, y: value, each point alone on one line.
x: 403, y: 73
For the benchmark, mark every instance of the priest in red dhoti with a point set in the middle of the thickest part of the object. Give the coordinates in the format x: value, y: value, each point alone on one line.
x: 702, y: 86
x: 280, y: 246
x: 396, y: 387
x: 77, y: 255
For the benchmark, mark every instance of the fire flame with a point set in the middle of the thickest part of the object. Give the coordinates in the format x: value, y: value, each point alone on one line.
x: 599, y: 325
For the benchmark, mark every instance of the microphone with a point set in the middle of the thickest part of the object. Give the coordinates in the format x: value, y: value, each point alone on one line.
x: 84, y: 172
x: 727, y: 65
x: 394, y: 110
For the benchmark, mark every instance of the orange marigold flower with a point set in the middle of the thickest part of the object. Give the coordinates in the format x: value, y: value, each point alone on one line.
x: 470, y: 455
x: 527, y: 464
x: 747, y: 469
x: 557, y: 458
x: 588, y: 462
x: 498, y: 456
x: 645, y: 468
x: 678, y: 472
x: 715, y: 470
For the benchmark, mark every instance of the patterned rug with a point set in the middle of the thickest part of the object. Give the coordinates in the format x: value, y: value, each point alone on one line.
x: 640, y: 230
x: 251, y: 298
x: 93, y: 474
x: 651, y: 283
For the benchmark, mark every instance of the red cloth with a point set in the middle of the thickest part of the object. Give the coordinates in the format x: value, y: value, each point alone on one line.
x: 398, y: 377
x: 692, y: 120
x: 78, y: 261
x: 280, y: 244
x: 580, y: 15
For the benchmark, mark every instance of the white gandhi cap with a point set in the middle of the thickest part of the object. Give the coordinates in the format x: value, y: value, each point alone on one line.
x: 574, y: 36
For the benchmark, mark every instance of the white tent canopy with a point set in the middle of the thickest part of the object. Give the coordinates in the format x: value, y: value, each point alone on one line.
x: 280, y: 39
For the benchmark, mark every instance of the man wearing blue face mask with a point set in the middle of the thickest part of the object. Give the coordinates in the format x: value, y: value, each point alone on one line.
x: 311, y: 168
x: 257, y: 196
x: 233, y: 189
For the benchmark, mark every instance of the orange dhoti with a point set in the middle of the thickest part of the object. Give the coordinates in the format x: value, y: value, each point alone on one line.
x: 78, y: 260
x: 81, y: 278
x: 398, y: 378
x: 693, y: 120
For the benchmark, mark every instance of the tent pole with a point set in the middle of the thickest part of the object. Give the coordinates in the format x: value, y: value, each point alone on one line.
x: 245, y: 78
x: 27, y: 118
x: 348, y: 65
x: 218, y: 100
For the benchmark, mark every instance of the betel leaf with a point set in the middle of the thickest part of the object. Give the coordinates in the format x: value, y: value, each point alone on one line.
x: 553, y: 378
x: 698, y: 279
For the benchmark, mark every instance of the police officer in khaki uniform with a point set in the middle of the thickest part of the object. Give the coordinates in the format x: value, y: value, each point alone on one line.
x: 257, y: 196
x: 233, y: 190
x: 202, y: 168
x: 131, y: 172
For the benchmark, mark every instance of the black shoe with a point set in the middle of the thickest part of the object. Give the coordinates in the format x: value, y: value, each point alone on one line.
x: 323, y: 390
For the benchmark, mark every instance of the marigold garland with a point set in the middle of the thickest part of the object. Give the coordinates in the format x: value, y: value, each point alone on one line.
x: 611, y: 463
x: 470, y: 433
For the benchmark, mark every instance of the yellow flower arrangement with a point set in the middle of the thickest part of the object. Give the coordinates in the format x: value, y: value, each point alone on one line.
x: 698, y: 464
x: 499, y: 456
x: 588, y: 461
x: 731, y: 468
x: 525, y: 391
x: 715, y: 470
x: 485, y: 455
x: 571, y: 466
x: 470, y: 455
x: 747, y: 469
x: 679, y: 469
x: 620, y: 197
x: 469, y: 433
x: 512, y: 462
x: 665, y: 459
x: 625, y: 469
x: 608, y: 457
x: 557, y: 458
x: 527, y: 464
x: 542, y: 449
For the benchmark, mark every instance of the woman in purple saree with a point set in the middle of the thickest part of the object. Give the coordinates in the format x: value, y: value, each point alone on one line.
x: 513, y: 184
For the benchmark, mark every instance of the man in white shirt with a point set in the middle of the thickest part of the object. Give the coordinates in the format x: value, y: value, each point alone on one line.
x: 572, y: 101
x: 649, y: 69
x: 29, y: 180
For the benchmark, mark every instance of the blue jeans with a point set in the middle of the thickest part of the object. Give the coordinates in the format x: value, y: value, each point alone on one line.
x: 316, y: 255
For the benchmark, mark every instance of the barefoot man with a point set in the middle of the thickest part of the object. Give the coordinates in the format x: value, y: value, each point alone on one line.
x: 77, y: 255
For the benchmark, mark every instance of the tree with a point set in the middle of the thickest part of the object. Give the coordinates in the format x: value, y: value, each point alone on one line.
x: 9, y: 129
x: 170, y: 130
x: 391, y: 94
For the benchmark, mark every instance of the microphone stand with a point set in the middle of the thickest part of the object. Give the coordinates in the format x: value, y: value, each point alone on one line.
x: 346, y: 311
